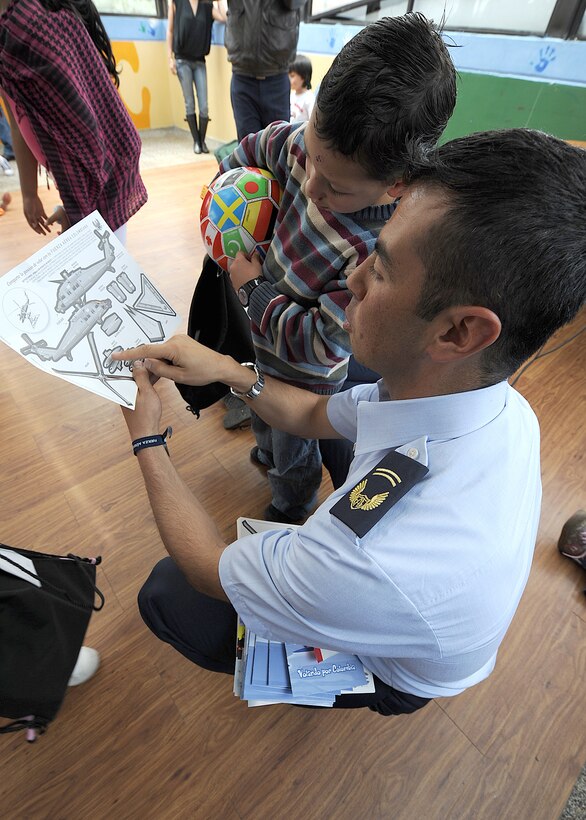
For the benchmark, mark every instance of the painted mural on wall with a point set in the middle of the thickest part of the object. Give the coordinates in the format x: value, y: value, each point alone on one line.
x: 127, y: 59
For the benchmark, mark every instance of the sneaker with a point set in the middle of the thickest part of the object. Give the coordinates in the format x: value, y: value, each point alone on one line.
x: 87, y: 665
x: 273, y: 514
x: 6, y: 167
x: 572, y: 541
x: 238, y: 414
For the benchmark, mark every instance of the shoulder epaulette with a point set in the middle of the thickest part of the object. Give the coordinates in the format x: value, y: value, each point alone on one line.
x: 379, y: 490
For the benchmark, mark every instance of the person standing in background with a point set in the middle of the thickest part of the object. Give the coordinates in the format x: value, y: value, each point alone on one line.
x: 302, y: 97
x: 58, y: 77
x: 5, y: 137
x: 189, y: 37
x: 261, y: 40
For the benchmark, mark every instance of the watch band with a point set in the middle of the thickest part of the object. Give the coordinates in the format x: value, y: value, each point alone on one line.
x: 246, y: 289
x: 256, y: 387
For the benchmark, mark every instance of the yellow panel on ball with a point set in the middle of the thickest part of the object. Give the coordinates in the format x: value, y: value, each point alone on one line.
x: 238, y: 212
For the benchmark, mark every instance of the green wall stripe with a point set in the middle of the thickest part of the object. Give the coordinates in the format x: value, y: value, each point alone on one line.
x: 486, y: 102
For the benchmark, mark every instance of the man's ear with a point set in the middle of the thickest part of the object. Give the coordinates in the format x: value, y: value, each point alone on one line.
x: 463, y: 331
x: 397, y: 189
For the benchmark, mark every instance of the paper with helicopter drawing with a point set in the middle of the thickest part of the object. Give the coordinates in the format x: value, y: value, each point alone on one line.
x: 68, y: 307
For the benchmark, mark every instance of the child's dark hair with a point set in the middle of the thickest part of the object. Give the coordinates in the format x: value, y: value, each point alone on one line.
x: 90, y: 17
x: 302, y: 65
x: 392, y: 82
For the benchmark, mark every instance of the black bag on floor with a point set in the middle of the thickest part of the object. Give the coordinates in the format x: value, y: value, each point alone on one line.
x: 218, y: 321
x: 42, y: 626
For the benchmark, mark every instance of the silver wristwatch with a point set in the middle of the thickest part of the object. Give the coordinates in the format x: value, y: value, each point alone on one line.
x: 256, y: 387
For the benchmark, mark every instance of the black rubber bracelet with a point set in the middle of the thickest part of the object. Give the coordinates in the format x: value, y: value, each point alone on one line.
x: 152, y: 441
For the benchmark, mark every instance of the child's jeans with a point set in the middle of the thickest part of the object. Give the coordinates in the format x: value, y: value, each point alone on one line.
x: 294, y: 472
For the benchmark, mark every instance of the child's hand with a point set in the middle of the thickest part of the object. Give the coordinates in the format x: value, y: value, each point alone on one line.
x: 60, y: 217
x: 243, y: 269
x: 34, y: 213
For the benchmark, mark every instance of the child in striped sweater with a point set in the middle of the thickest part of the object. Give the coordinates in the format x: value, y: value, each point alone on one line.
x: 340, y: 173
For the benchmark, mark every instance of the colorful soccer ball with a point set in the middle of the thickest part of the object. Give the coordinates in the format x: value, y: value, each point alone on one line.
x: 238, y: 213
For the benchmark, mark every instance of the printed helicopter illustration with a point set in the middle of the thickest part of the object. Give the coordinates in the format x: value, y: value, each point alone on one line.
x: 86, y: 316
x: 80, y: 325
x: 90, y: 300
x: 74, y: 284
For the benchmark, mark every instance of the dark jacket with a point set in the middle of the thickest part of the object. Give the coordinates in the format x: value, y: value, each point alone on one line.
x: 261, y: 35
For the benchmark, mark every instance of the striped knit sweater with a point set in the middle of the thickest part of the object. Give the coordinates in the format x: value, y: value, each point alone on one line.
x: 297, y: 314
x: 54, y: 74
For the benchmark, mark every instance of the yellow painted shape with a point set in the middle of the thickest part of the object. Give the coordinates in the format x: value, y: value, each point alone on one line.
x: 127, y: 52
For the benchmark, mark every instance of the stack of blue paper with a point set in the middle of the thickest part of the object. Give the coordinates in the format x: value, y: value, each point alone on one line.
x: 274, y: 672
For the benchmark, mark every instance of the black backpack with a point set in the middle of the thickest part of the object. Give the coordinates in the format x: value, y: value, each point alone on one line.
x: 42, y: 625
x: 216, y: 320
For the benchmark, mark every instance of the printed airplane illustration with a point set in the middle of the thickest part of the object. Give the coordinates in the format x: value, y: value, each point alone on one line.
x: 23, y: 310
x: 76, y: 283
x: 81, y: 323
x: 100, y: 374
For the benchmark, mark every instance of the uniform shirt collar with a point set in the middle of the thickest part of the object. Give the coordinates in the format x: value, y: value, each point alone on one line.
x: 386, y: 423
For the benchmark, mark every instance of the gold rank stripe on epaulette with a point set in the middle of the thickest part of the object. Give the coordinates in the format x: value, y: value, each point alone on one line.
x: 374, y: 495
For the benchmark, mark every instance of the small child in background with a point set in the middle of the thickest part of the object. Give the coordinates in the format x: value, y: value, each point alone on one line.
x: 5, y: 201
x: 302, y: 98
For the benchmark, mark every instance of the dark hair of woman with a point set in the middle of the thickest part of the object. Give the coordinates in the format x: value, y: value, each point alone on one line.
x: 90, y: 17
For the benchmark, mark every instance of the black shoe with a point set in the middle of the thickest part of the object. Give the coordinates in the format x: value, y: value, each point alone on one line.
x: 572, y: 542
x: 9, y: 156
x: 273, y: 514
x: 238, y: 414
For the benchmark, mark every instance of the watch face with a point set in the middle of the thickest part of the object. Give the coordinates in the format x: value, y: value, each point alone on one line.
x: 243, y: 296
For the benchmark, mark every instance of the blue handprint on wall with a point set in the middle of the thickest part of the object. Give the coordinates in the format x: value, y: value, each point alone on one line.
x: 546, y: 56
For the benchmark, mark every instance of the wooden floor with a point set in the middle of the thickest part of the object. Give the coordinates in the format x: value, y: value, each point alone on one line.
x: 154, y: 737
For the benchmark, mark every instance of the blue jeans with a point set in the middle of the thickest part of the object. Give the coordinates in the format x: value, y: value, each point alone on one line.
x: 294, y: 472
x: 192, y: 73
x: 6, y: 136
x: 257, y: 103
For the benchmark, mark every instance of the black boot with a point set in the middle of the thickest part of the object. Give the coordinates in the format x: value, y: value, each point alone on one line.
x: 203, y: 127
x: 192, y: 122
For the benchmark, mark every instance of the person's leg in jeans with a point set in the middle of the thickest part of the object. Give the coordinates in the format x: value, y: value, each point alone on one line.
x: 294, y: 472
x: 200, y: 79
x: 244, y: 95
x: 6, y: 136
x: 275, y: 99
x: 185, y: 73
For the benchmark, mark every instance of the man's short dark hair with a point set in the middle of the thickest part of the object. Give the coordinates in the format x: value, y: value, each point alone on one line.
x: 393, y: 81
x: 512, y: 239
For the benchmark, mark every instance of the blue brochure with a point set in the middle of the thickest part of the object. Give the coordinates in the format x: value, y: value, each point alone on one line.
x: 336, y: 673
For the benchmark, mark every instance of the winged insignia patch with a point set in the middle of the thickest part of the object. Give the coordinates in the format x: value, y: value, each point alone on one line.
x: 360, y: 501
x: 360, y: 509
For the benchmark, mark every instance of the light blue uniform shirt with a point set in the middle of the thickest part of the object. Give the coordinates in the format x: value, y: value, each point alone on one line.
x: 426, y: 596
